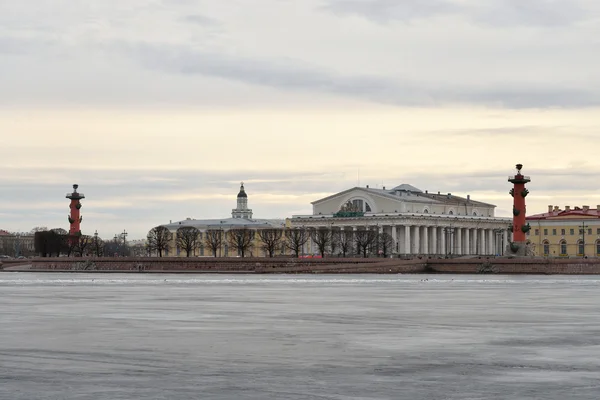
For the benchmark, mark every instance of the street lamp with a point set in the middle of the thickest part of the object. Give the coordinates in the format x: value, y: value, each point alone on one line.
x: 124, y: 234
x: 582, y: 230
x: 96, y: 244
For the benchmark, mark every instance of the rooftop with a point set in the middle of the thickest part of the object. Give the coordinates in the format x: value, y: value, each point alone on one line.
x: 554, y: 212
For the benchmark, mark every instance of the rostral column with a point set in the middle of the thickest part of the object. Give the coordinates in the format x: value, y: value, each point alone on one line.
x: 75, y: 217
x: 519, y: 228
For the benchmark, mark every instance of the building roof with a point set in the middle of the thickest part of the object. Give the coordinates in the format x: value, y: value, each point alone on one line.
x: 409, y: 193
x: 406, y: 188
x: 226, y: 223
x: 572, y: 213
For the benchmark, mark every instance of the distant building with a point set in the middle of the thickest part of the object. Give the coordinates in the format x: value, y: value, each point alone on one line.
x: 241, y: 217
x: 572, y: 232
x: 16, y: 244
x: 420, y: 223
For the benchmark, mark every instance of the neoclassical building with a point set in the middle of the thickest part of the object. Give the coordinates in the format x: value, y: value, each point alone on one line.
x: 241, y: 217
x: 420, y: 223
x: 572, y: 232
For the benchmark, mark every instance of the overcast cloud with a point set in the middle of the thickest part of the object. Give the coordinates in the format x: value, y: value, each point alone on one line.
x: 159, y: 108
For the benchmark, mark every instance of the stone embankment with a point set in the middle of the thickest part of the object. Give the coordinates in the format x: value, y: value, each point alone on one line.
x: 471, y: 265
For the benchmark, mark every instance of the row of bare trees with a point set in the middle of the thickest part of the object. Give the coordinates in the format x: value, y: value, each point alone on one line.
x: 364, y: 242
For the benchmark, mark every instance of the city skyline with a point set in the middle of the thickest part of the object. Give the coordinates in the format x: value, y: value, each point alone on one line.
x: 158, y: 109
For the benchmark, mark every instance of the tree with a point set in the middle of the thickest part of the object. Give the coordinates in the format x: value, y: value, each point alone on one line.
x: 322, y: 238
x: 344, y: 240
x: 364, y: 240
x: 70, y: 244
x: 240, y: 239
x: 385, y: 244
x: 188, y: 239
x: 270, y: 239
x: 158, y: 239
x: 82, y: 242
x: 47, y: 243
x: 97, y: 246
x: 213, y: 238
x: 295, y: 238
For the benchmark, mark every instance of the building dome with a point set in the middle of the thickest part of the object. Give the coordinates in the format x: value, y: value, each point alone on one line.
x: 242, y: 193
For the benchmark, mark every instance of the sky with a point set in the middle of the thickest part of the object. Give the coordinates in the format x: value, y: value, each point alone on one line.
x: 158, y: 109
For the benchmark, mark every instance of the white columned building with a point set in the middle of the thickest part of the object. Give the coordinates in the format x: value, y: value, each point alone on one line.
x: 416, y: 222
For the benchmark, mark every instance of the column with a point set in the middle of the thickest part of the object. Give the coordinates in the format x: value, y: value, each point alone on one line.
x: 442, y: 241
x: 425, y: 245
x: 467, y: 242
x: 458, y: 238
x: 416, y: 240
x: 434, y: 240
x: 490, y: 234
x: 481, y: 242
x: 395, y: 239
x: 407, y: 239
x: 504, y: 241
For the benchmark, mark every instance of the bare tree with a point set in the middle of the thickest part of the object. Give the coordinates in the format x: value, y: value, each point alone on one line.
x: 322, y: 238
x: 240, y: 239
x: 188, y: 239
x: 158, y: 239
x: 385, y: 244
x: 344, y: 240
x: 295, y: 238
x: 270, y: 239
x: 82, y: 242
x: 97, y: 246
x: 213, y: 238
x: 364, y: 240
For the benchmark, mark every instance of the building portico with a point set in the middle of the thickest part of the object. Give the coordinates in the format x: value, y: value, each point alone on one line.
x: 433, y: 227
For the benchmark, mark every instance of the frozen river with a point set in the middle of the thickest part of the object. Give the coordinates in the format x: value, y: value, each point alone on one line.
x: 154, y: 336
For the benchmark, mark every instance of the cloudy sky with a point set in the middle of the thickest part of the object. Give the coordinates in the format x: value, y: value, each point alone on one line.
x: 159, y: 108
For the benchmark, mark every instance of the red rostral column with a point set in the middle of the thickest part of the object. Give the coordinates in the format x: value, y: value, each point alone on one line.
x: 75, y: 217
x: 519, y: 226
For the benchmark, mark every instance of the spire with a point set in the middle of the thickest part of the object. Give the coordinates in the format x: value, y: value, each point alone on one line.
x: 242, y: 210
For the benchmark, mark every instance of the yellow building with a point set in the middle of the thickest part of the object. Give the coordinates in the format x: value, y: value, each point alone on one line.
x: 241, y: 219
x: 572, y: 232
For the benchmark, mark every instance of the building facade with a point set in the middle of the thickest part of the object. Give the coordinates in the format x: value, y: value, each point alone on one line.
x: 16, y: 244
x: 572, y: 232
x: 420, y: 223
x: 241, y: 217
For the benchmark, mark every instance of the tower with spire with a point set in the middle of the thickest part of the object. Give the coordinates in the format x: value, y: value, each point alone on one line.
x: 242, y: 210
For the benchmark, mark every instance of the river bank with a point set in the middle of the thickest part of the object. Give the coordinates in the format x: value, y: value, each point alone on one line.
x: 470, y: 265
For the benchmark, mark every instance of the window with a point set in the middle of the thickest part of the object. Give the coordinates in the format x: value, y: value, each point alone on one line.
x: 537, y: 232
x: 571, y: 231
x: 361, y: 205
x: 545, y: 232
x: 597, y: 231
x: 598, y: 247
x: 563, y: 248
x: 589, y: 231
x: 562, y: 232
x: 554, y: 232
x: 580, y: 248
x: 546, y: 248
